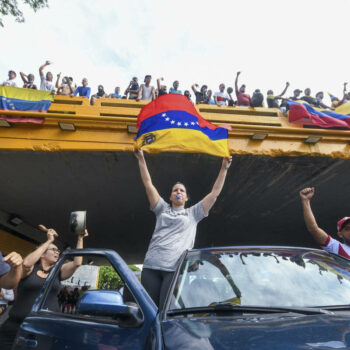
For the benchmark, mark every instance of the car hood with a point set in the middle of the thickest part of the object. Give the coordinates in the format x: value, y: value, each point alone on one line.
x: 258, y: 332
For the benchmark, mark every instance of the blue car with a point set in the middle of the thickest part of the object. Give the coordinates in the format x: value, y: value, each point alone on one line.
x: 246, y: 298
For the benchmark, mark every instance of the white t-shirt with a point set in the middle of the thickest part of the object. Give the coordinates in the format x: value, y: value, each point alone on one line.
x: 46, y: 85
x: 221, y: 97
x: 10, y: 82
x: 333, y: 246
x: 175, y: 232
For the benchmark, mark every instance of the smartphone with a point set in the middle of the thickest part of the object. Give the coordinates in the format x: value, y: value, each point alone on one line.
x: 77, y: 222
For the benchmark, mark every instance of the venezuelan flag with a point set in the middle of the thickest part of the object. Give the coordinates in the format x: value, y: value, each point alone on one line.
x: 18, y: 99
x: 325, y: 118
x: 172, y: 124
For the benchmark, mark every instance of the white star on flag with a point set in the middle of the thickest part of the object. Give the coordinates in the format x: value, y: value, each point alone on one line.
x: 172, y: 122
x: 192, y: 123
x: 167, y: 119
x: 186, y: 124
x: 197, y: 123
x: 178, y: 123
x: 164, y: 115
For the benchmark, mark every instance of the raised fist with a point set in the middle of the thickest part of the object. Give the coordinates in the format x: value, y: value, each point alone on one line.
x: 307, y: 193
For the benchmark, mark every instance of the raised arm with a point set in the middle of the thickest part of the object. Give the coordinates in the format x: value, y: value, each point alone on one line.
x: 152, y: 193
x: 209, y: 200
x: 58, y: 81
x: 69, y: 268
x: 194, y: 88
x: 236, y: 82
x: 41, y: 68
x: 284, y: 91
x: 159, y: 86
x: 319, y: 235
x: 11, y: 279
x: 31, y: 259
x: 24, y: 77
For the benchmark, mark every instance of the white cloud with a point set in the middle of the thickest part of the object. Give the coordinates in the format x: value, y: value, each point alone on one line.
x: 192, y: 41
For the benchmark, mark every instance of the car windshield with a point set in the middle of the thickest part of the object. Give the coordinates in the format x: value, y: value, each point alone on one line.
x: 275, y: 278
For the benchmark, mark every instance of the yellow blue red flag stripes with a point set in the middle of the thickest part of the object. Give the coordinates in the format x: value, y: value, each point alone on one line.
x: 172, y: 124
x: 18, y: 99
x: 325, y: 118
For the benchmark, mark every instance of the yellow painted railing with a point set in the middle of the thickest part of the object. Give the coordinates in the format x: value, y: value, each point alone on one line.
x: 73, y: 124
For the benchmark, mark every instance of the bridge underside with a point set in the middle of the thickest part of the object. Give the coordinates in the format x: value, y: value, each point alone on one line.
x: 259, y: 204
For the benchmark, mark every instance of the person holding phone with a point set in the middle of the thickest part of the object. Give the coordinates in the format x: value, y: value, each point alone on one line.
x: 175, y: 229
x: 36, y: 268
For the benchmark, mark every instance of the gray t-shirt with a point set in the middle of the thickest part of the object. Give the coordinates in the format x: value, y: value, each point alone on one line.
x: 175, y: 232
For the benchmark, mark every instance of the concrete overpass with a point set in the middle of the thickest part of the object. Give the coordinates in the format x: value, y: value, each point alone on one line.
x: 80, y: 157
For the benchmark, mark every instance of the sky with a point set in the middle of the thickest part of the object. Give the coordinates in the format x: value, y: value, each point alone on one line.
x: 193, y: 41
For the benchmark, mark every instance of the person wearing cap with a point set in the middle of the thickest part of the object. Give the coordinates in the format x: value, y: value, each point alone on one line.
x: 321, y: 237
x: 296, y: 94
x: 10, y: 270
x: 11, y: 80
x: 243, y: 99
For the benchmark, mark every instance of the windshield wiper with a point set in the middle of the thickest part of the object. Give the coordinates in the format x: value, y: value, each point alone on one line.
x: 337, y: 307
x: 232, y: 307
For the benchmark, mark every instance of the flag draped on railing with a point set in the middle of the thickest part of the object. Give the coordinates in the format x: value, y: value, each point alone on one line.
x: 325, y: 118
x: 172, y: 124
x: 26, y: 100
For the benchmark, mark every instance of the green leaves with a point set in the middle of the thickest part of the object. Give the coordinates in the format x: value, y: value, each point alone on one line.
x: 10, y: 7
x: 109, y: 279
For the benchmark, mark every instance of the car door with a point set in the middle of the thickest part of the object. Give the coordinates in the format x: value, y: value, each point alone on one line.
x: 51, y: 326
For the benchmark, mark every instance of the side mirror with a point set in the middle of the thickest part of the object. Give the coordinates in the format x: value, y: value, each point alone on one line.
x: 110, y: 303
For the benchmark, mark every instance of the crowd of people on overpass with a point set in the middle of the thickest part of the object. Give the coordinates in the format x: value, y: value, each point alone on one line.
x: 147, y: 91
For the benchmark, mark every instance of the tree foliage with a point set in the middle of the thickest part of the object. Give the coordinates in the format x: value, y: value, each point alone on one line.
x: 109, y: 279
x: 10, y: 7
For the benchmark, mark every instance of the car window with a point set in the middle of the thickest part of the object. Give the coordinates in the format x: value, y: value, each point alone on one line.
x: 95, y: 273
x: 268, y: 279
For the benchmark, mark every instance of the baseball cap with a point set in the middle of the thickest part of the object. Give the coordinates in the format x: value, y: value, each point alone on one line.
x: 298, y: 90
x: 342, y: 222
x: 4, y: 267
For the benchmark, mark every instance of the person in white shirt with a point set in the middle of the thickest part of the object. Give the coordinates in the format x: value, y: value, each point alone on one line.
x: 46, y: 82
x: 146, y: 92
x: 221, y: 97
x: 11, y: 79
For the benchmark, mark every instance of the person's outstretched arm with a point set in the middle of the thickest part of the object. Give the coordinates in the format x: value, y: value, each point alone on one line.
x: 12, y: 278
x: 284, y: 91
x: 69, y: 268
x: 236, y: 82
x: 152, y: 193
x: 209, y: 200
x: 41, y: 68
x: 319, y: 235
x: 31, y: 259
x: 24, y: 77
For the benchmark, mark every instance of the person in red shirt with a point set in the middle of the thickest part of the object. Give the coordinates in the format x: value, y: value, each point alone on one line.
x: 321, y: 237
x: 243, y: 99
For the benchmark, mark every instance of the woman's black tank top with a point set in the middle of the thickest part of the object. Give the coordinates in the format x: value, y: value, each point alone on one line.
x: 27, y: 291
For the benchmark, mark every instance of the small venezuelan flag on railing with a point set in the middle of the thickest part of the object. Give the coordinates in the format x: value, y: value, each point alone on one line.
x: 324, y: 118
x: 172, y: 124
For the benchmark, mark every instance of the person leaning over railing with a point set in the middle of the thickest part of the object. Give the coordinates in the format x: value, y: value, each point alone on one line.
x: 28, y: 81
x: 11, y: 80
x: 84, y: 90
x: 36, y: 268
x: 321, y: 237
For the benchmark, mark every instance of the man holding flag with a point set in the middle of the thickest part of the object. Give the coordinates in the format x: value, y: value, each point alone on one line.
x: 171, y: 123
